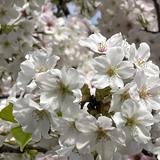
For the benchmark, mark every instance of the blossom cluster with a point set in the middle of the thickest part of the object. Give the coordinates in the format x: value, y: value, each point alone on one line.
x: 30, y: 25
x: 137, y: 21
x: 51, y: 101
x: 73, y: 93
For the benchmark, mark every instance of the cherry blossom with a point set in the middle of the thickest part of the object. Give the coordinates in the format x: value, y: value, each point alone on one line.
x: 111, y: 69
x: 135, y: 121
x: 98, y: 135
x: 99, y: 44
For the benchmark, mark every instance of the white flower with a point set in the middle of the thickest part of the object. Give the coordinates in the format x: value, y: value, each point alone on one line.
x: 73, y: 154
x: 67, y: 129
x: 34, y: 118
x: 8, y: 44
x: 7, y: 11
x: 26, y: 30
x: 119, y: 97
x: 146, y: 90
x: 60, y: 85
x: 98, y: 135
x: 135, y: 121
x: 140, y: 56
x: 36, y: 62
x: 98, y: 43
x: 111, y: 69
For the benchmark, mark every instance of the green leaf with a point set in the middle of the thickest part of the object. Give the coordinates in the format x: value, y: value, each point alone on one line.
x: 6, y: 113
x: 21, y: 137
x: 102, y: 94
x: 59, y: 113
x: 85, y: 93
x: 95, y: 154
x: 31, y: 154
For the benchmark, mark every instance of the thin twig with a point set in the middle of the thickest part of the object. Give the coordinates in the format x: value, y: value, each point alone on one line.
x: 6, y: 96
x: 157, y: 12
x: 153, y: 32
x: 17, y: 150
x: 62, y: 7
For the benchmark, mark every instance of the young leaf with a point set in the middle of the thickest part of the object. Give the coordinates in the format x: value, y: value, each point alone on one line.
x: 21, y: 137
x: 6, y: 113
x: 102, y: 93
x: 59, y: 113
x: 31, y: 154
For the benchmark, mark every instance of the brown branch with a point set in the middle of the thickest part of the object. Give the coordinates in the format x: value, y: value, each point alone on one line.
x: 157, y: 7
x: 147, y: 153
x: 153, y: 32
x: 17, y: 150
x: 62, y: 7
x: 6, y: 96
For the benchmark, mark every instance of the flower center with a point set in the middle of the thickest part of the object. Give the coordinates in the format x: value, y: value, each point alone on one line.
x: 141, y: 62
x: 6, y: 44
x: 3, y: 12
x: 72, y: 126
x: 125, y: 96
x: 63, y: 89
x: 111, y: 71
x: 144, y: 93
x: 40, y: 69
x: 75, y: 150
x: 101, y: 135
x: 131, y: 122
x: 102, y: 47
x: 38, y: 115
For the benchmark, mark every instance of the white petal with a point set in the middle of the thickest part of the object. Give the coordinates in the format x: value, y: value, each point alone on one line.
x: 101, y: 63
x: 119, y: 120
x: 86, y: 142
x: 141, y: 134
x: 145, y: 117
x: 116, y: 55
x: 154, y: 102
x: 105, y: 122
x: 69, y: 108
x: 132, y: 53
x: 118, y: 136
x: 130, y: 108
x: 39, y: 57
x: 151, y: 69
x: 140, y: 79
x: 23, y: 80
x: 78, y: 95
x: 73, y: 79
x: 65, y: 151
x: 116, y: 102
x: 36, y: 135
x: 69, y: 138
x: 52, y: 61
x: 144, y: 51
x: 97, y: 37
x: 100, y: 81
x: 125, y: 69
x: 46, y: 82
x: 44, y: 126
x: 116, y: 82
x: 87, y: 124
x: 87, y: 42
x: 28, y: 68
x: 106, y: 150
x: 115, y: 40
x: 49, y: 99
